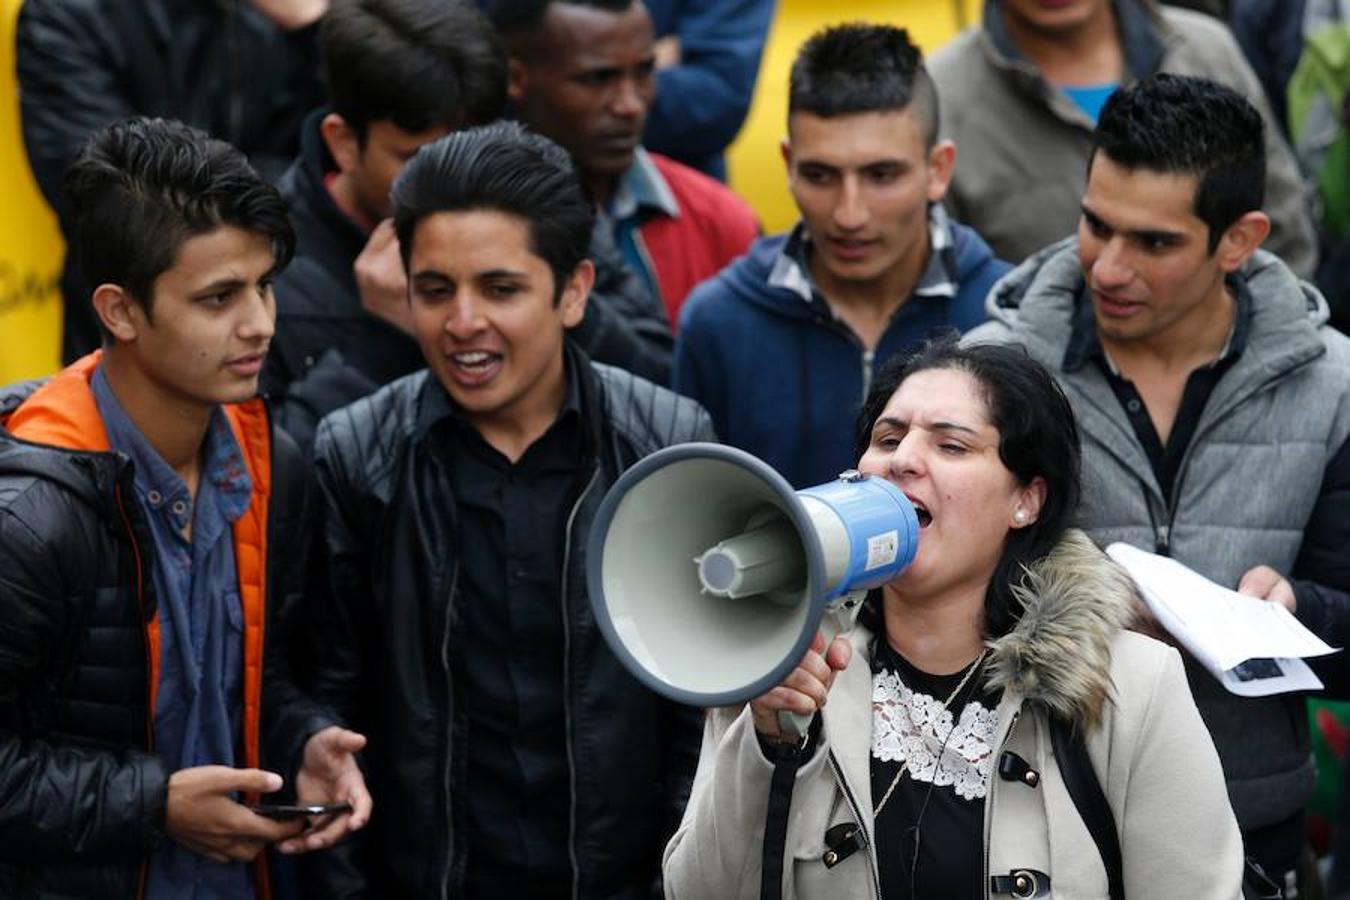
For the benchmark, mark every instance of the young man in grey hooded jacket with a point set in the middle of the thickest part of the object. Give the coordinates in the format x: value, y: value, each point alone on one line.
x: 1214, y: 402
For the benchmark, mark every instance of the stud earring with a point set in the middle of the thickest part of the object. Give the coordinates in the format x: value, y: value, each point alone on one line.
x: 1020, y: 517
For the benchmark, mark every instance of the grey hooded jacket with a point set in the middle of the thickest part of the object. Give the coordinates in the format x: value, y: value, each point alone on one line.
x: 1024, y: 145
x: 1263, y: 481
x: 1068, y: 656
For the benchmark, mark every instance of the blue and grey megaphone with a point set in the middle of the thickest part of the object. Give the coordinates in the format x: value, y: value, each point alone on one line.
x: 709, y: 575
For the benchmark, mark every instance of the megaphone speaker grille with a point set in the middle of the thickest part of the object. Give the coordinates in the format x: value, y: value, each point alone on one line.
x: 683, y: 641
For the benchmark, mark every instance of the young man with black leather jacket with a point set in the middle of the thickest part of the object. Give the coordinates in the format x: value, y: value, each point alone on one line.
x: 451, y: 617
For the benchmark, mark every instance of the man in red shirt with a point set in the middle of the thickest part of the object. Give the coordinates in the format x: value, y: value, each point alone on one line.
x: 583, y: 74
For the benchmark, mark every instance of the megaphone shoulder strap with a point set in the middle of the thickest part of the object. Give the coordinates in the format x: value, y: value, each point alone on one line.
x: 775, y: 829
x: 1075, y: 767
x: 787, y: 759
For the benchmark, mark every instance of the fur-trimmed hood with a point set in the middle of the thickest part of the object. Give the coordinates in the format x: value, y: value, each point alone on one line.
x: 1075, y: 601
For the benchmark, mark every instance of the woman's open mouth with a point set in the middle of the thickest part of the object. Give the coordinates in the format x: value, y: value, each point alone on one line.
x: 925, y: 517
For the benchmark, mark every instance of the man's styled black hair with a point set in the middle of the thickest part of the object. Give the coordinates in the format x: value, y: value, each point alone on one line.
x: 859, y: 68
x: 504, y: 168
x: 516, y: 18
x: 416, y: 63
x: 1037, y: 438
x: 1179, y: 125
x: 141, y: 187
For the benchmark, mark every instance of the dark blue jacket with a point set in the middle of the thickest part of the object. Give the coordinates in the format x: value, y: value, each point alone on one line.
x: 701, y: 103
x: 782, y: 378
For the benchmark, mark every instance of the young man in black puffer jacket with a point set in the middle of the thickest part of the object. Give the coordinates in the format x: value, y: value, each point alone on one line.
x: 151, y: 521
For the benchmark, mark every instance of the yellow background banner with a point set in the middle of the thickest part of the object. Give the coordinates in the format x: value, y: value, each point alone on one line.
x: 31, y: 249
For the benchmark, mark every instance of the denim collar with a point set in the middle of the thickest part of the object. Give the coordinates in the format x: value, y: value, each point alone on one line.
x: 159, y: 488
x: 642, y: 188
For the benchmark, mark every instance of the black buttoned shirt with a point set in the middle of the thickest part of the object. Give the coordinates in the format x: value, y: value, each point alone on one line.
x: 507, y: 655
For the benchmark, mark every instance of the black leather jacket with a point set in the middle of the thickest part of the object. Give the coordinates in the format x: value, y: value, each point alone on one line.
x: 387, y: 638
x: 82, y: 795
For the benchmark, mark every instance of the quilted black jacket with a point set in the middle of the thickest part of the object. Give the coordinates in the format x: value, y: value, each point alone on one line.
x: 82, y: 797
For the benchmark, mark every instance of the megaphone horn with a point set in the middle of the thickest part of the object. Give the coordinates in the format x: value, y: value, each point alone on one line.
x: 709, y: 575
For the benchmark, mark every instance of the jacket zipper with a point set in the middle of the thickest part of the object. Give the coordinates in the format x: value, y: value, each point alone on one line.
x: 1163, y: 533
x: 149, y: 663
x: 140, y: 604
x: 867, y: 357
x: 858, y: 817
x: 989, y: 806
x: 449, y: 735
x: 567, y: 696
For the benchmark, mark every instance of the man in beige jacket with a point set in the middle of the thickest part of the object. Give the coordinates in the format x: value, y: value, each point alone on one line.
x: 1020, y: 95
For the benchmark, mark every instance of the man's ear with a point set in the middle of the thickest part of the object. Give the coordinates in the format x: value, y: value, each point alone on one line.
x: 121, y: 315
x: 785, y: 147
x: 575, y: 293
x: 343, y: 143
x: 1241, y: 240
x: 517, y: 80
x: 941, y: 165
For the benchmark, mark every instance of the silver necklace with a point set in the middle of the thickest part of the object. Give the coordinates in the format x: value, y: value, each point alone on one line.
x: 904, y: 766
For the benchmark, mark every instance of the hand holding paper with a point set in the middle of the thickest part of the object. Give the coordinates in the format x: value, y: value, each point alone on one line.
x: 1252, y: 646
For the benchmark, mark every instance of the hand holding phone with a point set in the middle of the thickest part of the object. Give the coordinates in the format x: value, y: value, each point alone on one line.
x: 283, y: 811
x: 201, y: 812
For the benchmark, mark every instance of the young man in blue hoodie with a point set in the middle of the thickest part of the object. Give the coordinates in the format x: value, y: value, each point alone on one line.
x: 781, y: 346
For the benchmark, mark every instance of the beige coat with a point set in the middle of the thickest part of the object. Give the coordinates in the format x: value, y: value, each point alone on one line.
x: 1022, y: 146
x: 1147, y: 743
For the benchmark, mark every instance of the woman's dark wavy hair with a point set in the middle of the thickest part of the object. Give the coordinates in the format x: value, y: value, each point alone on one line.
x: 1037, y: 438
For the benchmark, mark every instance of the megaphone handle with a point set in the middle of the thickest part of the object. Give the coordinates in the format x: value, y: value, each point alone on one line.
x: 794, y: 724
x: 840, y: 616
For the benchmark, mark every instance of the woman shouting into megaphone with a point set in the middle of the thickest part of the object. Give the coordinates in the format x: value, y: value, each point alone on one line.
x: 989, y: 729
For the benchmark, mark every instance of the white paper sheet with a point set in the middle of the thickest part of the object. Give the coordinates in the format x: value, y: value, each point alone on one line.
x: 1253, y: 647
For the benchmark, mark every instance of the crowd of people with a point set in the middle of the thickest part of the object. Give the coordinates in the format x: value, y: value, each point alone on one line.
x: 369, y: 302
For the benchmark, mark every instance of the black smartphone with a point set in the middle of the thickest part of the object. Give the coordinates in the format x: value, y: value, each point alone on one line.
x: 282, y: 811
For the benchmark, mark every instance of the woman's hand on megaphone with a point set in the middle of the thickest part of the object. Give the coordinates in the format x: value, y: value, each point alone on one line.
x: 805, y: 689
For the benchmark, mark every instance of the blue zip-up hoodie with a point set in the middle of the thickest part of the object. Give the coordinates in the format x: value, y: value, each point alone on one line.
x: 782, y: 378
